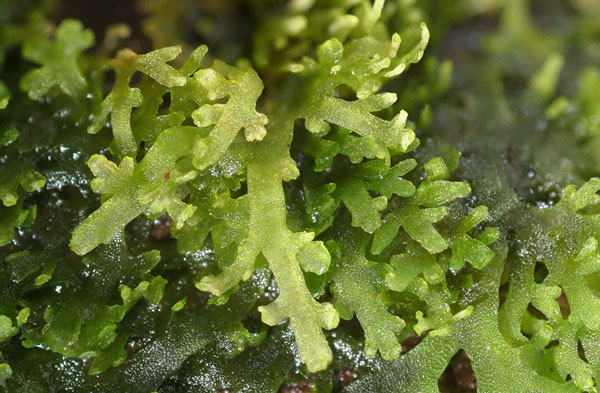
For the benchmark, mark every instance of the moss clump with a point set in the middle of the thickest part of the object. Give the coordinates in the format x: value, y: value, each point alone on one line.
x: 305, y: 195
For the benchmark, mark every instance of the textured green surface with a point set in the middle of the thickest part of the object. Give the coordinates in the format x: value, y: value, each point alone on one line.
x: 267, y: 195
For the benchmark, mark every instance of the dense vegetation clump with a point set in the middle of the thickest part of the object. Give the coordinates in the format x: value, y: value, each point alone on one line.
x: 303, y: 195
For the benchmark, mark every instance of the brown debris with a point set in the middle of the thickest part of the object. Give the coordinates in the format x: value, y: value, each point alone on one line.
x: 563, y: 303
x: 463, y: 373
x: 458, y: 376
x: 161, y: 230
x: 412, y: 341
x: 198, y: 298
x: 298, y: 387
x: 343, y: 377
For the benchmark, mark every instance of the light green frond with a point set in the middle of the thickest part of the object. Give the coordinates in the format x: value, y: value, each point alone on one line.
x: 58, y: 58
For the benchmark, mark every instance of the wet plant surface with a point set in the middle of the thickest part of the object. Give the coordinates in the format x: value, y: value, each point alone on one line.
x: 273, y: 196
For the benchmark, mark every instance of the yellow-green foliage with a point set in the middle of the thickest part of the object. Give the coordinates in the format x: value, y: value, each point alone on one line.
x: 208, y: 225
